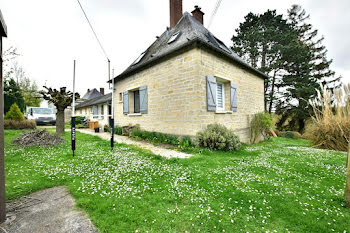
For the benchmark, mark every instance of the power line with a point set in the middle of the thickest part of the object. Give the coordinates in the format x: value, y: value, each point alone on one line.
x: 214, y: 12
x: 99, y: 42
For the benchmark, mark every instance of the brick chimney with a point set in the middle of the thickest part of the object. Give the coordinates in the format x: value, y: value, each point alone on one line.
x: 102, y: 91
x: 198, y: 14
x: 175, y: 12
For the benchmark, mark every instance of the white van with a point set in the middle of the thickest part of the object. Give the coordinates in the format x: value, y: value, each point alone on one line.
x: 42, y: 116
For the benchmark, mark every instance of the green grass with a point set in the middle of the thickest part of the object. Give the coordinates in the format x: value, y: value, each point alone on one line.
x: 282, y: 185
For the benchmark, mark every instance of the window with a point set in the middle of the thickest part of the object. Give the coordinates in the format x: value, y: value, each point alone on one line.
x: 174, y: 37
x: 120, y: 96
x: 102, y: 111
x: 137, y: 101
x: 95, y: 111
x: 222, y: 45
x: 218, y: 43
x: 220, y: 96
x: 139, y: 58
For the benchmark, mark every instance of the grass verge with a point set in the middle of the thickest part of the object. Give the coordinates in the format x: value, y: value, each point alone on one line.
x: 280, y: 185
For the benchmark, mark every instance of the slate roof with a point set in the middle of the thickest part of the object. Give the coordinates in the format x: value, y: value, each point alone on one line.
x: 94, y: 93
x: 94, y: 101
x: 192, y: 32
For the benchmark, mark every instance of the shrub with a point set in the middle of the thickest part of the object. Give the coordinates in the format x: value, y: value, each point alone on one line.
x: 81, y: 126
x: 259, y: 126
x: 80, y: 120
x: 217, y: 137
x: 289, y: 134
x: 118, y: 130
x: 156, y: 137
x: 14, y: 113
x: 106, y: 128
x: 331, y: 123
x: 25, y: 124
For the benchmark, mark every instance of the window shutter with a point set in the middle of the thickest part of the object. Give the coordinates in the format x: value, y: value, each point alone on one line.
x: 143, y: 99
x: 126, y: 102
x: 233, y: 97
x: 211, y: 93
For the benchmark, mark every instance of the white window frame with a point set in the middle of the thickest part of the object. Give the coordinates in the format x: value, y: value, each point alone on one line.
x: 223, y: 96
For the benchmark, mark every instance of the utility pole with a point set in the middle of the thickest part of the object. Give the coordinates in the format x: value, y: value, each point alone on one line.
x: 73, y: 112
x: 3, y: 33
x: 112, y: 113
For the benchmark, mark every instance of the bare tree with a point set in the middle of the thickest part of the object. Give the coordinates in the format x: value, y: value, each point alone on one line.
x: 61, y: 99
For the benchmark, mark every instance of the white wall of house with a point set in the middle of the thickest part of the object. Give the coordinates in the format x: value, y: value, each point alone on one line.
x: 100, y: 114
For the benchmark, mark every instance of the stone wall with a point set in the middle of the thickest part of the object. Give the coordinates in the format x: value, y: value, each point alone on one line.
x: 177, y: 100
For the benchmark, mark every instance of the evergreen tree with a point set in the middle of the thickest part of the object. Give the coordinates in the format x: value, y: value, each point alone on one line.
x: 14, y: 113
x: 319, y: 64
x: 268, y: 43
x: 12, y: 95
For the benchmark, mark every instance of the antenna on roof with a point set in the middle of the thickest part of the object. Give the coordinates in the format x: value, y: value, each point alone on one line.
x: 217, y: 5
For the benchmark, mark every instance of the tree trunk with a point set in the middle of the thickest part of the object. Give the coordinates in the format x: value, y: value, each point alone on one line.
x: 60, y: 122
x: 347, y: 186
x: 301, y: 123
x: 272, y: 91
x: 2, y: 155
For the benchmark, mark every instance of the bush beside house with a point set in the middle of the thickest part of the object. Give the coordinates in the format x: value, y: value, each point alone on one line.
x: 259, y: 126
x: 218, y: 137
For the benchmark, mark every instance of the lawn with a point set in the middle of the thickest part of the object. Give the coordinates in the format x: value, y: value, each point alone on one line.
x: 282, y: 185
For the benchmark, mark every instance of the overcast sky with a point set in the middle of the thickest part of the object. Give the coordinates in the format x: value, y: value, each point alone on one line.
x: 51, y: 34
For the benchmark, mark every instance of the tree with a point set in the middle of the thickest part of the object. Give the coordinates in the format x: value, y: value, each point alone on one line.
x: 28, y: 88
x: 269, y: 43
x: 61, y: 99
x: 14, y: 113
x: 12, y: 94
x: 320, y: 64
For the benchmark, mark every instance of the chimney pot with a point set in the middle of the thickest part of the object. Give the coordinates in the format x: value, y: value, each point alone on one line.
x: 88, y: 90
x: 102, y: 91
x: 198, y: 14
x: 175, y: 12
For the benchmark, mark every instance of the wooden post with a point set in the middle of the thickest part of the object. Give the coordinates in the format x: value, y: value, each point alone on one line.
x: 347, y: 185
x: 3, y: 32
x: 2, y: 155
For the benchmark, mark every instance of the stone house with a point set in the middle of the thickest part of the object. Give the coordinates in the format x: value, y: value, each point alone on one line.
x: 95, y: 106
x: 186, y: 80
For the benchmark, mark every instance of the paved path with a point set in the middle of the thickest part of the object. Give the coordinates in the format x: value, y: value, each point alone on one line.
x: 48, y: 211
x: 167, y: 153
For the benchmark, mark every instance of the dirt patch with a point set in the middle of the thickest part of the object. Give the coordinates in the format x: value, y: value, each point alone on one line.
x: 38, y: 138
x: 50, y: 210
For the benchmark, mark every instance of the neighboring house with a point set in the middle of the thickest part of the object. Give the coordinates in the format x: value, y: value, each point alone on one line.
x: 186, y: 80
x: 95, y: 106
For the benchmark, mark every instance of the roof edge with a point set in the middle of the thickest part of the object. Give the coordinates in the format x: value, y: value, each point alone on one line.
x: 196, y: 41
